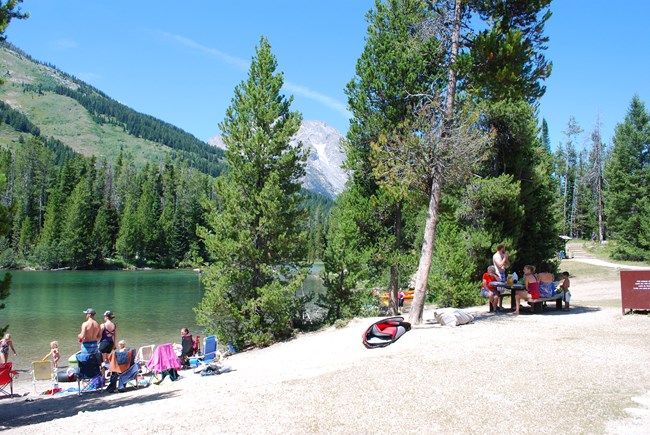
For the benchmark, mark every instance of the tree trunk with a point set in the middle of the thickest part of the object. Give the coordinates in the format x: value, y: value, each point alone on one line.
x: 393, y: 290
x: 426, y: 254
x: 601, y: 224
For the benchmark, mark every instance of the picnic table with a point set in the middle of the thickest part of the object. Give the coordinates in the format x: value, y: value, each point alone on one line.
x: 536, y: 304
x: 513, y: 290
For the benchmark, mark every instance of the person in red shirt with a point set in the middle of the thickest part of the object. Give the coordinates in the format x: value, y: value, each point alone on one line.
x: 488, y: 292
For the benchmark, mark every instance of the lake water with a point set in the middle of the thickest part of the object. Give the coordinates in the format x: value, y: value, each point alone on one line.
x: 150, y: 307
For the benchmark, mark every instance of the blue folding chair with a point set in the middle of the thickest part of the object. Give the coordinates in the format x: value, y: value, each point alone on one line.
x: 90, y: 371
x: 209, y: 349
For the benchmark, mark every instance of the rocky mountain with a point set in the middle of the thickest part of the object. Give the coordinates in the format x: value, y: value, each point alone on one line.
x: 324, y: 172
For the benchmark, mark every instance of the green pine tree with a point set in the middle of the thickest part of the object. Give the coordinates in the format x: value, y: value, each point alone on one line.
x: 78, y: 226
x: 628, y: 185
x: 393, y: 71
x: 255, y: 234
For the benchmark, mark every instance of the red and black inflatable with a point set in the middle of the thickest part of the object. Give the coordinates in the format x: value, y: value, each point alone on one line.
x: 385, y: 332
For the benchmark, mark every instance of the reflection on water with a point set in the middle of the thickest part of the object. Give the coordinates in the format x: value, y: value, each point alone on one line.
x: 150, y: 307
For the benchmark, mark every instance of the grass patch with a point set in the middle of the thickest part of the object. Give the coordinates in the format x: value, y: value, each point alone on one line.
x: 604, y: 251
x: 589, y: 272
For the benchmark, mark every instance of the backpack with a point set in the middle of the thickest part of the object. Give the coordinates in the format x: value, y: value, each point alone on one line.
x: 385, y: 332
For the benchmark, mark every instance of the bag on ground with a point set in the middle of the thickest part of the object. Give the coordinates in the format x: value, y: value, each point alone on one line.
x: 452, y: 316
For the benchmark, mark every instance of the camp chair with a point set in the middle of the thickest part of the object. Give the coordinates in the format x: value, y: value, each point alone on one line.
x: 209, y: 349
x: 165, y: 362
x: 143, y: 356
x: 7, y: 375
x: 42, y: 371
x: 123, y: 369
x: 89, y: 371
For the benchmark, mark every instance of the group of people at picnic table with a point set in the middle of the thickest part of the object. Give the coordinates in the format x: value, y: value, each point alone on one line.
x: 534, y: 285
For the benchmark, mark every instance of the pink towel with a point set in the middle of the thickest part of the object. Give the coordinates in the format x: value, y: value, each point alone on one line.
x: 164, y: 358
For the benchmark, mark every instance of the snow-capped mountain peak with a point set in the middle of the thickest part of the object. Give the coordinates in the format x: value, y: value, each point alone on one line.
x: 324, y: 172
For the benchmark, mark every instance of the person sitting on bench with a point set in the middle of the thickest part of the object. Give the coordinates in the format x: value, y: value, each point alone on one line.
x: 532, y: 287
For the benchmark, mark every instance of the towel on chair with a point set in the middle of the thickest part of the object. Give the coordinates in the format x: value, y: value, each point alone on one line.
x: 164, y: 358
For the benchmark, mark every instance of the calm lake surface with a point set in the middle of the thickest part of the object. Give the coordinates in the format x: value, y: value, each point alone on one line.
x: 150, y: 306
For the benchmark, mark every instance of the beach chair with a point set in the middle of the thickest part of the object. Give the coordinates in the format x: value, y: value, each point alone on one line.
x: 123, y: 370
x: 165, y: 362
x: 42, y: 371
x: 143, y: 356
x: 7, y: 375
x: 209, y: 349
x: 90, y: 372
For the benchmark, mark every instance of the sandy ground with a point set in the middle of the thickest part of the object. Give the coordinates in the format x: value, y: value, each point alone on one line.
x: 582, y: 371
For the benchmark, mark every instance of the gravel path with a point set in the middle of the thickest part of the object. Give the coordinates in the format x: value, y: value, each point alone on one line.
x: 583, y: 371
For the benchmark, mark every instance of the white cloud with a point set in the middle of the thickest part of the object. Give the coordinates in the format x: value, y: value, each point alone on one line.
x: 224, y: 57
x: 325, y: 100
x: 243, y: 64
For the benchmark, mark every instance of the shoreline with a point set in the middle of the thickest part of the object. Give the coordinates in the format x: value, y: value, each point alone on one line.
x: 583, y: 371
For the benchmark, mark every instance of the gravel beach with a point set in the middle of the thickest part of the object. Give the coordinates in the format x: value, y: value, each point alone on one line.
x: 582, y: 371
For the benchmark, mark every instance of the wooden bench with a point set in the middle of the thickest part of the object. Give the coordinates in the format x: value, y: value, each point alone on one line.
x: 537, y: 305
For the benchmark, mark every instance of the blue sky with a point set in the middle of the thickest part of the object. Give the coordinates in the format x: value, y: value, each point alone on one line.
x: 180, y: 61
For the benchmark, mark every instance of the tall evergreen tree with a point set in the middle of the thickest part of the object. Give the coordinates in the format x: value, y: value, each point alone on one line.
x: 9, y: 10
x: 596, y: 180
x: 129, y: 239
x: 567, y: 157
x: 79, y: 222
x: 391, y: 74
x: 628, y: 176
x: 255, y: 235
x: 5, y: 282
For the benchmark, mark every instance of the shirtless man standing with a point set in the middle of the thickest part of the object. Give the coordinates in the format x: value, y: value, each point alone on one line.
x: 501, y: 261
x: 90, y: 332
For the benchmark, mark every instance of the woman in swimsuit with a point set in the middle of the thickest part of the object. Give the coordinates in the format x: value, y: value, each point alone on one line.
x: 545, y: 278
x: 109, y: 334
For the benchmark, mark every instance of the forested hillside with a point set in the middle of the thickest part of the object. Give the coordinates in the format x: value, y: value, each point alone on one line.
x: 91, y: 183
x: 41, y: 100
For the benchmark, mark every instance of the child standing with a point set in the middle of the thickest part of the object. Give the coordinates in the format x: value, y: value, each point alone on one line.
x: 54, y: 351
x: 564, y: 286
x: 5, y: 344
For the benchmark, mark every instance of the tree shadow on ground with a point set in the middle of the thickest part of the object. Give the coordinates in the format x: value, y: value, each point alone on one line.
x: 15, y: 413
x: 549, y: 310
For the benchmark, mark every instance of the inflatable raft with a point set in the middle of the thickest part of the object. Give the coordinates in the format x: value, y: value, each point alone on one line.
x: 66, y: 374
